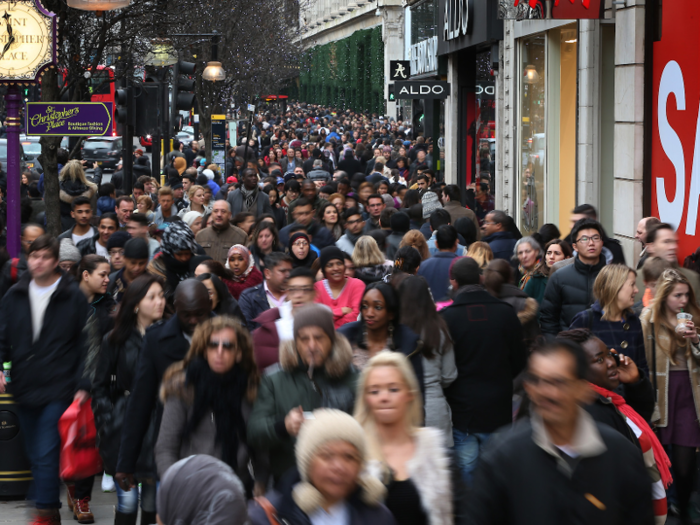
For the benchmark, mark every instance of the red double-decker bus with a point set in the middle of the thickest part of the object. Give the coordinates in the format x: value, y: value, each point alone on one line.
x: 101, y: 87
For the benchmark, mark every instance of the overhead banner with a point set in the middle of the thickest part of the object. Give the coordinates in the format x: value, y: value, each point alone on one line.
x: 76, y: 119
x: 551, y: 9
x: 421, y: 89
x: 675, y: 123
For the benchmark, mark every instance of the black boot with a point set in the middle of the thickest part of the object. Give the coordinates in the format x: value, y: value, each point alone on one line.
x: 148, y: 518
x: 125, y: 519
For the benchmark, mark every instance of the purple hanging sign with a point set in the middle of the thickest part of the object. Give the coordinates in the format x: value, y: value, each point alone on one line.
x: 66, y: 119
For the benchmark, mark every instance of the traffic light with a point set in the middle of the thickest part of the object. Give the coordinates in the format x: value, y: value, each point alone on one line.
x: 392, y: 93
x: 183, y: 86
x: 124, y: 113
x: 147, y: 103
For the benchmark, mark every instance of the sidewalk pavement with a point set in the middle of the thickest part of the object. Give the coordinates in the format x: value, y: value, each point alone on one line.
x: 102, y: 505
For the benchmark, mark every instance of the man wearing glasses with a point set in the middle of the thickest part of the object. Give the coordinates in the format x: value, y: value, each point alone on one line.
x: 570, y: 290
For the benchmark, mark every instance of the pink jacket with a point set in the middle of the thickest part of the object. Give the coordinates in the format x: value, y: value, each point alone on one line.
x: 350, y: 297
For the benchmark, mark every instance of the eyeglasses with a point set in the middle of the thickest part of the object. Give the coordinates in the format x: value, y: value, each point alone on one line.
x: 586, y: 240
x: 300, y: 289
x: 226, y: 345
x: 350, y: 223
x: 116, y: 252
x: 300, y: 244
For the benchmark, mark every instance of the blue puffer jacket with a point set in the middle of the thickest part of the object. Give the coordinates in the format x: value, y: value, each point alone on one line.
x: 502, y: 244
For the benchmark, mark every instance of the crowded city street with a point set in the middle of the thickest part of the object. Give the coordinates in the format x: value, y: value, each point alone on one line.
x: 337, y: 262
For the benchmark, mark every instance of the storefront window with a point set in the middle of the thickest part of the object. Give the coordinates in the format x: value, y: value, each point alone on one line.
x: 533, y: 144
x: 423, y: 21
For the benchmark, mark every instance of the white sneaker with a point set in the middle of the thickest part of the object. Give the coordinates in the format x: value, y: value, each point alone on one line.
x: 108, y: 483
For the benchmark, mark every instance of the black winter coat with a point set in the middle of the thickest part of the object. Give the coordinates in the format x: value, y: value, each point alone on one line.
x: 569, y: 291
x: 50, y: 368
x: 489, y: 353
x: 162, y: 346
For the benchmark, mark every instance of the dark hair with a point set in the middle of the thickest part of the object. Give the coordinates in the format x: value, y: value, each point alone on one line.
x: 587, y: 210
x: 410, y: 198
x: 547, y: 233
x: 407, y: 260
x: 33, y: 190
x: 217, y: 269
x: 375, y: 196
x: 140, y: 186
x: 652, y: 232
x: 586, y: 224
x: 111, y: 217
x: 80, y: 201
x: 261, y: 227
x: 453, y: 192
x: 385, y: 217
x: 497, y: 273
x: 303, y: 201
x: 419, y: 313
x: 44, y: 242
x: 273, y: 259
x: 106, y: 189
x: 465, y: 271
x: 292, y: 185
x: 446, y: 237
x: 565, y: 248
x: 570, y: 347
x: 123, y: 198
x: 225, y: 298
x: 240, y: 217
x: 439, y: 217
x: 392, y: 305
x: 139, y: 218
x: 302, y: 271
x: 499, y: 217
x: 350, y: 212
x: 125, y: 321
x: 578, y: 335
x: 380, y: 237
x: 467, y: 229
x: 89, y: 264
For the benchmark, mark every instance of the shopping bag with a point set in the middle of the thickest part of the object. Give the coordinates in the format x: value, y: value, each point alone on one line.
x: 79, y: 456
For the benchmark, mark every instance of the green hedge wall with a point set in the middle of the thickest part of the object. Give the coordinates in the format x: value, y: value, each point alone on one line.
x: 347, y: 74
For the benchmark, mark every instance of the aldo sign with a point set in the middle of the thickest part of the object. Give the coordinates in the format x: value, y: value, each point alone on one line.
x: 419, y: 89
x: 675, y: 141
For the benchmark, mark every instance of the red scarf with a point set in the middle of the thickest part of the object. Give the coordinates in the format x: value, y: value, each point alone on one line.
x: 662, y: 461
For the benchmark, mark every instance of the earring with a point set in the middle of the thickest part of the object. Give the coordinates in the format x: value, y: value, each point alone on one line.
x: 137, y: 310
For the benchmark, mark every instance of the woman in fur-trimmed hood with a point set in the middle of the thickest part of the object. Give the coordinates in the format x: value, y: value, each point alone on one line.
x: 314, y: 370
x: 74, y: 184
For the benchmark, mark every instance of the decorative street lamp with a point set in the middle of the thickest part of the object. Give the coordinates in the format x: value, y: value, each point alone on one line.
x: 214, y: 71
x: 98, y: 5
x: 162, y: 53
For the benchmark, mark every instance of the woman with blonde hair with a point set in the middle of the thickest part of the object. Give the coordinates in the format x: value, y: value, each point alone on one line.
x: 196, y: 197
x: 611, y: 318
x: 73, y: 184
x: 673, y: 351
x: 208, y: 396
x: 481, y: 253
x: 413, y: 462
x: 415, y: 239
x: 369, y: 261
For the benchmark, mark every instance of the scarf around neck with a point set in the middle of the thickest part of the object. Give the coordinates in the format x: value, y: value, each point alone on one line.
x: 249, y: 197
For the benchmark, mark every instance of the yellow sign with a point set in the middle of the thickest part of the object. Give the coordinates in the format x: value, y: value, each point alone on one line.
x: 218, y: 117
x: 27, y: 35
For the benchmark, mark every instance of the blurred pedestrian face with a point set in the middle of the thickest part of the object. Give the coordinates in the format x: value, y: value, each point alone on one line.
x: 303, y: 214
x: 152, y: 306
x: 330, y: 215
x: 553, y: 387
x: 237, y: 264
x: 300, y: 291
x: 527, y: 255
x: 277, y: 277
x: 196, y: 225
x: 134, y: 267
x: 313, y: 345
x: 221, y: 214
x: 29, y: 235
x: 106, y: 228
x: 334, y: 470
x: 183, y: 256
x: 193, y: 313
x: 554, y: 254
x: 124, y: 211
x: 338, y: 203
x: 82, y: 214
x: 387, y: 395
x: 355, y: 224
x: 41, y: 264
x: 223, y: 351
x: 308, y: 190
x: 489, y: 227
x: 136, y: 229
x: 626, y: 295
x: 265, y: 240
x: 213, y: 294
x: 98, y: 280
x: 166, y: 202
x: 116, y: 258
x: 678, y: 299
x: 349, y: 268
x: 374, y: 311
x: 665, y: 245
x: 602, y: 367
x: 375, y: 207
x: 335, y: 271
x: 301, y: 248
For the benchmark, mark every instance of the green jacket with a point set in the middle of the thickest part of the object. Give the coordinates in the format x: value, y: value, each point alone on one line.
x: 286, y: 386
x: 535, y: 287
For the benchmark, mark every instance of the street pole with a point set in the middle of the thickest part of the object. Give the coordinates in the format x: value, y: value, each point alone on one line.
x: 128, y: 137
x: 13, y: 102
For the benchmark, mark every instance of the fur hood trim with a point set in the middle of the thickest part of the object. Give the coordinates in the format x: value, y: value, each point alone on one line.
x: 529, y: 311
x: 174, y: 386
x: 429, y: 470
x: 336, y: 365
x: 89, y: 192
x: 308, y: 498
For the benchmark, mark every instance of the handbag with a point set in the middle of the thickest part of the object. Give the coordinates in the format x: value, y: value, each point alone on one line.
x: 269, y: 509
x: 79, y: 456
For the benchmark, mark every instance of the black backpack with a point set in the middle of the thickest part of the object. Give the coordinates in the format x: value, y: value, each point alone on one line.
x: 692, y: 262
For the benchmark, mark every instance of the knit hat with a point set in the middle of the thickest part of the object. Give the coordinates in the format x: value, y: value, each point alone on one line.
x: 118, y: 240
x: 209, y: 174
x: 68, y: 252
x: 330, y: 253
x: 400, y: 222
x: 430, y: 203
x: 176, y: 185
x: 180, y: 164
x: 313, y: 314
x: 300, y: 234
x: 328, y: 425
x: 136, y: 248
x: 191, y: 216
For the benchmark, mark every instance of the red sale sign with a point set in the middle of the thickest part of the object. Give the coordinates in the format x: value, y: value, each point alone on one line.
x: 675, y: 149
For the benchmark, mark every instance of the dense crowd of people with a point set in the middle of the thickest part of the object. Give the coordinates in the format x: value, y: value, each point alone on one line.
x: 321, y: 331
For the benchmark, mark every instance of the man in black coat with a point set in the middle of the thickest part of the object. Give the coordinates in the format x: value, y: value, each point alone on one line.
x: 349, y: 165
x: 163, y: 345
x: 613, y: 246
x: 256, y: 300
x: 570, y: 289
x: 303, y: 215
x: 560, y: 466
x: 41, y: 332
x: 489, y: 353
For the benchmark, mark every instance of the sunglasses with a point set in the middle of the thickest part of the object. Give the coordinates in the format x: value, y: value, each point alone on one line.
x: 226, y: 345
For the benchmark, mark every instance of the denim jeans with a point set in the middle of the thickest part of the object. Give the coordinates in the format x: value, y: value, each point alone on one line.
x: 128, y: 502
x: 468, y: 447
x: 43, y: 445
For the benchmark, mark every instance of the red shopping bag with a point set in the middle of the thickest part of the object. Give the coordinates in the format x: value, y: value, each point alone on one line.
x: 80, y: 458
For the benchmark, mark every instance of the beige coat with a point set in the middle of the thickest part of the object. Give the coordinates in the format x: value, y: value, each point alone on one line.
x: 216, y: 243
x: 663, y: 364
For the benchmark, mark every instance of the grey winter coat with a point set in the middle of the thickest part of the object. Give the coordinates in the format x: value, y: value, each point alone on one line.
x: 438, y: 373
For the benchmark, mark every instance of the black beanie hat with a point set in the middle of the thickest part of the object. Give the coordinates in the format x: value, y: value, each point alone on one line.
x: 400, y: 222
x: 330, y: 253
x: 118, y: 240
x: 136, y: 248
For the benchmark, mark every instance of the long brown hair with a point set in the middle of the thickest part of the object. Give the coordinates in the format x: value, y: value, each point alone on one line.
x: 607, y: 285
x: 200, y: 342
x: 664, y: 287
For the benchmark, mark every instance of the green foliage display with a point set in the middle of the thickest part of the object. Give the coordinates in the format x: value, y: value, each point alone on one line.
x: 347, y: 74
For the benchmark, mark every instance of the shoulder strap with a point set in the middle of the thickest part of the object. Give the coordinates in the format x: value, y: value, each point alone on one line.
x: 653, y: 362
x: 269, y: 509
x: 13, y: 269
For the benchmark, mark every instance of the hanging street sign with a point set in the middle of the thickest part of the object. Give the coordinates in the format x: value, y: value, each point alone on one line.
x: 399, y: 69
x: 422, y: 89
x: 76, y: 119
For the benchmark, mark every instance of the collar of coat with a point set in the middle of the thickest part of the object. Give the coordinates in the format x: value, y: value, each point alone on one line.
x: 336, y: 365
x: 586, y: 441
